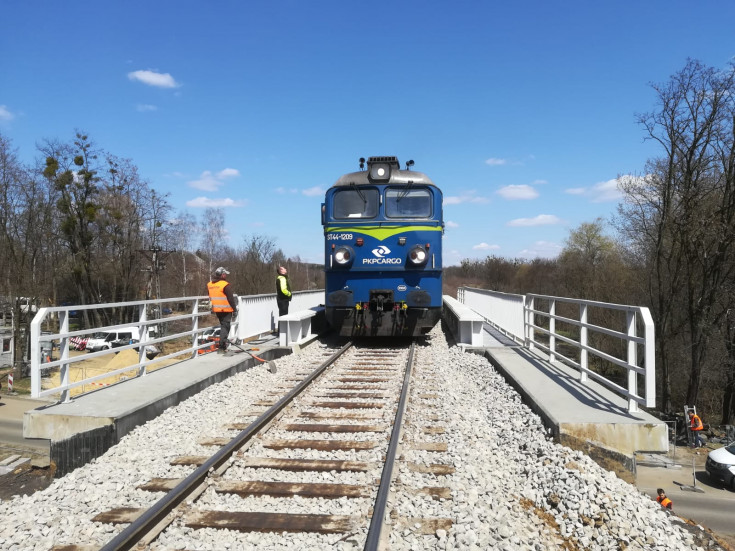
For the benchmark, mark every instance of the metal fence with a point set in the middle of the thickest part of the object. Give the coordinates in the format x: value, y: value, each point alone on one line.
x: 543, y: 328
x: 258, y: 314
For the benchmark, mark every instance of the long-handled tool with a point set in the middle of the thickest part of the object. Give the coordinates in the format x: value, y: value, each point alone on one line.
x: 271, y: 364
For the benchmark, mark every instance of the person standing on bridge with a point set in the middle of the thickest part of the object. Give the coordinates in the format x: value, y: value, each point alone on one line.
x: 223, y: 304
x: 665, y: 502
x: 283, y: 291
x: 696, y: 426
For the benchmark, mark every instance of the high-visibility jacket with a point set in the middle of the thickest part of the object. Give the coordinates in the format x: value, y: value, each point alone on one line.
x: 665, y: 502
x: 217, y: 297
x: 283, y: 287
x: 696, y: 423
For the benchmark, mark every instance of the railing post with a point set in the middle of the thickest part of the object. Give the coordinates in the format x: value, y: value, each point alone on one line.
x: 143, y: 332
x: 195, y: 328
x: 36, y: 353
x: 530, y: 321
x: 649, y: 356
x: 632, y: 361
x: 583, y: 356
x: 552, y: 331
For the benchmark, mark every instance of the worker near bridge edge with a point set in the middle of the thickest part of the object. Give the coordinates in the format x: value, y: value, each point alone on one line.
x: 223, y: 304
x: 283, y: 291
x: 696, y: 426
x: 665, y: 502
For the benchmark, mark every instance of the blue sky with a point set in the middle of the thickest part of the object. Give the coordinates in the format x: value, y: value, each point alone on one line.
x: 524, y: 113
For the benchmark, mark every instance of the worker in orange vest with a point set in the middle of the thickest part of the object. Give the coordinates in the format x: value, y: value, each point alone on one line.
x: 223, y: 304
x: 696, y: 426
x: 665, y: 502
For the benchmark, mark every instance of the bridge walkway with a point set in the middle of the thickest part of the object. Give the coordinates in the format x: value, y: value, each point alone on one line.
x: 584, y: 416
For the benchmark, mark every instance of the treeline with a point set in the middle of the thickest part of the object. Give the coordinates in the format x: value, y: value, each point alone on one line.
x: 672, y: 248
x: 82, y: 226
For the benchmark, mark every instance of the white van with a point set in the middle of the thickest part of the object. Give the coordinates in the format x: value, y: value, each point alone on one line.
x: 105, y: 340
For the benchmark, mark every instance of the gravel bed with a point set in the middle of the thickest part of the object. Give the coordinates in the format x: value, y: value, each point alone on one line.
x: 513, y: 487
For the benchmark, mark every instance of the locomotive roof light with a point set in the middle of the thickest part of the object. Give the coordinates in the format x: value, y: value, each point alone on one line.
x: 359, y: 242
x: 409, y: 164
x: 401, y: 240
x: 417, y: 255
x: 362, y: 163
x: 379, y: 168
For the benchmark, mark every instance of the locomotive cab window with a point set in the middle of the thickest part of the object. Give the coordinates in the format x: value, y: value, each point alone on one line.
x: 407, y: 203
x: 355, y: 203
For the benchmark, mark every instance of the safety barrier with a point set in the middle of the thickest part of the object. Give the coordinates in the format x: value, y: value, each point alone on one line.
x: 464, y: 323
x: 255, y: 318
x: 635, y: 333
x: 296, y: 327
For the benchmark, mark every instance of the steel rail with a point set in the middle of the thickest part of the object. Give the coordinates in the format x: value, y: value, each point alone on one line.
x: 129, y: 537
x: 376, y: 523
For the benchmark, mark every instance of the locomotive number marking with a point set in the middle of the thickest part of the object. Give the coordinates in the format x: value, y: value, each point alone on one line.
x: 338, y: 236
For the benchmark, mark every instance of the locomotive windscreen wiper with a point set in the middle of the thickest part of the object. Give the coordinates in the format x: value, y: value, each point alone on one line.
x: 357, y: 189
x: 403, y: 193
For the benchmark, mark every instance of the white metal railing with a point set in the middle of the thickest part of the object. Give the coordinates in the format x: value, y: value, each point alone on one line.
x: 255, y: 317
x: 503, y: 311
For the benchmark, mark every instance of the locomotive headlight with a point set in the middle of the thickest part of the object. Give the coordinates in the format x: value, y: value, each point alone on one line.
x: 343, y: 256
x: 418, y: 255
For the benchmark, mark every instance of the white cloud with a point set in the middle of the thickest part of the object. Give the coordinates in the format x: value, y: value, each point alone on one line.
x: 540, y: 220
x: 467, y: 197
x: 228, y: 173
x: 496, y: 162
x: 518, y: 192
x: 541, y: 249
x: 539, y: 183
x: 153, y: 78
x: 204, y: 202
x: 450, y: 224
x: 144, y: 107
x: 5, y: 114
x: 313, y: 191
x: 212, y: 182
x: 485, y: 247
x: 601, y: 192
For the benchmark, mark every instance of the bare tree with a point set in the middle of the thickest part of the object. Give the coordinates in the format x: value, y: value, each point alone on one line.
x: 681, y: 215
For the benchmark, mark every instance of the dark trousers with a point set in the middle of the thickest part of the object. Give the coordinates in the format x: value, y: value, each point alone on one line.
x: 282, y: 306
x: 225, y: 321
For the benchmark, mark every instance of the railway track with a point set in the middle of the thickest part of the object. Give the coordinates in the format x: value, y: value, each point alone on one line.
x: 336, y: 437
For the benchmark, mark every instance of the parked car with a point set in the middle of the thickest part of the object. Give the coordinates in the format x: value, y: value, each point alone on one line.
x: 208, y: 335
x: 721, y: 465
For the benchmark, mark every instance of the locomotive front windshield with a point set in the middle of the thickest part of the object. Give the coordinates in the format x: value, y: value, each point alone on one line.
x: 407, y: 203
x: 355, y: 203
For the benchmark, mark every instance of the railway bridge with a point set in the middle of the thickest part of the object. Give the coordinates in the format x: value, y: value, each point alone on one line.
x: 586, y: 368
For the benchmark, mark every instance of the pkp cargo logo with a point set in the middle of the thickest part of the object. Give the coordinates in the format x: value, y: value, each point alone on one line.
x: 381, y: 253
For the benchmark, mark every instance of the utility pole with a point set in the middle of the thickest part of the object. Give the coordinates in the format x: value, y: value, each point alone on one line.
x: 156, y: 258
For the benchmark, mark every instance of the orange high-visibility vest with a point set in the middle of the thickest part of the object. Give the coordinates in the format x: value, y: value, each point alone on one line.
x: 696, y: 422
x: 665, y: 502
x: 216, y: 290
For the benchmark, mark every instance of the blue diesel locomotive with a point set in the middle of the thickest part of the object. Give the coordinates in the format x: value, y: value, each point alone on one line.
x: 383, y: 251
